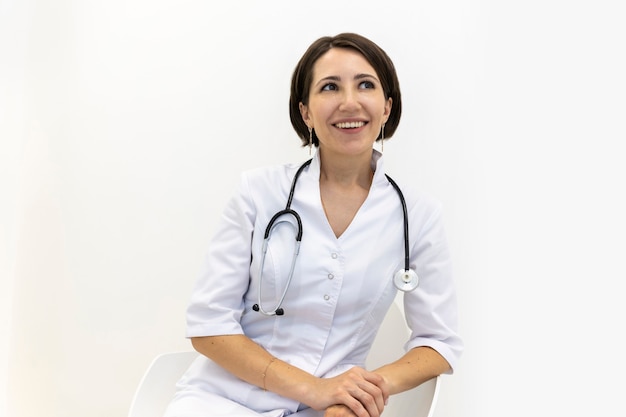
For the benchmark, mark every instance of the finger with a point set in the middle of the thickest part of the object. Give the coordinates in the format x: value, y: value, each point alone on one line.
x: 372, y: 396
x: 380, y: 382
x: 365, y: 400
x: 358, y: 407
x: 366, y: 390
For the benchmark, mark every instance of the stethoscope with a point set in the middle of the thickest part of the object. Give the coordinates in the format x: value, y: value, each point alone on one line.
x: 405, y: 279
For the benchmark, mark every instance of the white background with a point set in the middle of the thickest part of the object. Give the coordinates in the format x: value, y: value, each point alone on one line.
x: 125, y: 124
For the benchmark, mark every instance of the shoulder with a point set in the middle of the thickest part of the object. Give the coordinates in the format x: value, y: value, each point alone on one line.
x: 269, y: 182
x: 425, y: 215
x: 417, y: 200
x: 269, y: 175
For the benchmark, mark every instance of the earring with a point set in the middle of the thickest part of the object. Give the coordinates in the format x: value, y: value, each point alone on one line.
x: 310, y: 139
x: 382, y: 138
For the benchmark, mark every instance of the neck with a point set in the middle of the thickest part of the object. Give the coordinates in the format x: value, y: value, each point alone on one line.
x: 347, y: 171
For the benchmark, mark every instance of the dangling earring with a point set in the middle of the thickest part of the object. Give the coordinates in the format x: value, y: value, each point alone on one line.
x: 310, y: 140
x: 382, y: 138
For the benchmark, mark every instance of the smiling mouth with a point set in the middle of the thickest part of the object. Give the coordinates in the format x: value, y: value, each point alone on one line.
x: 349, y: 125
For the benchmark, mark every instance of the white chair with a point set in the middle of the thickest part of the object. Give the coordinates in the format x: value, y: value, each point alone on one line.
x: 156, y: 388
x: 388, y: 346
x: 158, y: 384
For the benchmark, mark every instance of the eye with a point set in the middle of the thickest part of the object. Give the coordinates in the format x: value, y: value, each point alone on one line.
x: 329, y: 87
x: 367, y: 85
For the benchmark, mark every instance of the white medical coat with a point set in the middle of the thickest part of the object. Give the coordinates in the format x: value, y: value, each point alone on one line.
x: 341, y: 288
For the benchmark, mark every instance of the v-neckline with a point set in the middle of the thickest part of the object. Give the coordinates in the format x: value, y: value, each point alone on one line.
x: 336, y: 218
x: 314, y: 176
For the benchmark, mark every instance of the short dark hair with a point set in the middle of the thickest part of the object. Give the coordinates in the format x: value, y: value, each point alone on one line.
x: 376, y: 56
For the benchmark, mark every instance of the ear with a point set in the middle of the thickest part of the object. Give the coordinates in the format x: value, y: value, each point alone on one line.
x: 387, y: 111
x: 304, y: 112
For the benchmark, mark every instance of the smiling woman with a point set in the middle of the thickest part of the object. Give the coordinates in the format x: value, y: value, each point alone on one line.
x: 124, y: 126
x: 307, y: 355
x: 347, y: 107
x: 380, y: 71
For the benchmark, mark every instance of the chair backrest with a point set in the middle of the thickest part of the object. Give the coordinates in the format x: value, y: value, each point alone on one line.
x: 158, y: 384
x: 387, y: 347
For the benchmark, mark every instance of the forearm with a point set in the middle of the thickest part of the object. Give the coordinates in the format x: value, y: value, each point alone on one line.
x: 248, y: 361
x: 415, y: 367
x: 363, y: 392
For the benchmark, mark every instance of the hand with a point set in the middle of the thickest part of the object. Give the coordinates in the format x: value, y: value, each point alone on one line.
x: 361, y: 393
x: 338, y: 411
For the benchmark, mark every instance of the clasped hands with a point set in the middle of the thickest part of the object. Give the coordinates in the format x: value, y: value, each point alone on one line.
x: 356, y: 392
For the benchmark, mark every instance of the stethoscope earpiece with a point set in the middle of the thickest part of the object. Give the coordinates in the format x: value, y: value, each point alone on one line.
x: 406, y: 280
x: 278, y: 312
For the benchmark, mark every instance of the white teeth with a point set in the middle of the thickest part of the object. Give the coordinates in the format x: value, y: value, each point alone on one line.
x: 350, y: 125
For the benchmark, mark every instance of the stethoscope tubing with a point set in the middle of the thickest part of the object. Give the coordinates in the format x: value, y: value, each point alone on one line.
x: 405, y: 215
x: 405, y: 280
x: 278, y: 311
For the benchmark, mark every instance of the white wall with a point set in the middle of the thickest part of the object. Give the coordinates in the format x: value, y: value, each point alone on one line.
x: 124, y: 125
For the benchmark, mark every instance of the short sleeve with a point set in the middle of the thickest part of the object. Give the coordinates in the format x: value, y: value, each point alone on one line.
x: 216, y: 303
x: 431, y: 309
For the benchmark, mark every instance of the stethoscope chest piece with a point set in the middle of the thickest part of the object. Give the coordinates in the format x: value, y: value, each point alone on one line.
x: 406, y: 280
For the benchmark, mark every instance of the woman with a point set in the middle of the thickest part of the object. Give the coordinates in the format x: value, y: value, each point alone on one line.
x: 305, y: 354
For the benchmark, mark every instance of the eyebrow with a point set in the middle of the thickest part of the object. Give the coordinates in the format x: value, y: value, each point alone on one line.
x: 356, y: 77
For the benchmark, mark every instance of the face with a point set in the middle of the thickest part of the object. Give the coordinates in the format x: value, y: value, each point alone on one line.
x: 347, y: 105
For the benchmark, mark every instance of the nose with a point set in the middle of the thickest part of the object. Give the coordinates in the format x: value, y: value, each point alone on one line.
x: 349, y: 99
